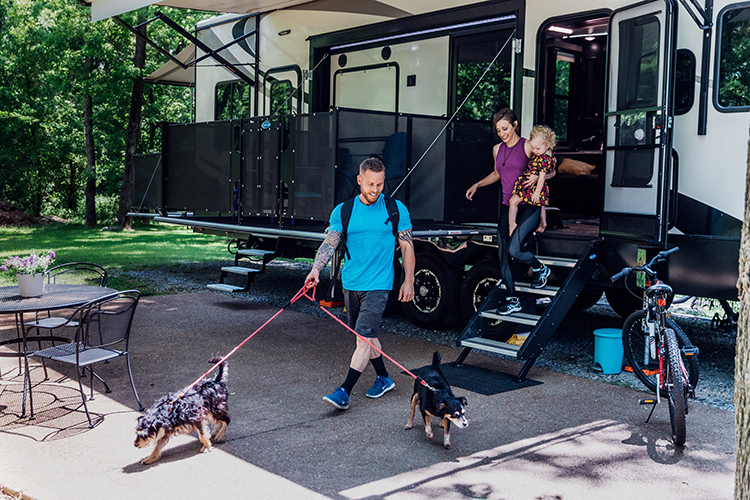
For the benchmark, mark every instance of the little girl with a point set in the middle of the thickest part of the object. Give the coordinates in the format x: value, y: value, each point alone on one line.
x: 542, y: 140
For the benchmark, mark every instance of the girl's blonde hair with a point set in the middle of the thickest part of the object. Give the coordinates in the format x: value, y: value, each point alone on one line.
x: 547, y: 134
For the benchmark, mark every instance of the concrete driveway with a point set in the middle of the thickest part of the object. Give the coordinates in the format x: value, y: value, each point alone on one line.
x: 564, y: 438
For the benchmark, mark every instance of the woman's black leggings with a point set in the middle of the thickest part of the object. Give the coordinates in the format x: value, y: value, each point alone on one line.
x: 508, y: 246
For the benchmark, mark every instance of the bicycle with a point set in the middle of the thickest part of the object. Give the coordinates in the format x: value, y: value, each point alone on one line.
x: 658, y: 351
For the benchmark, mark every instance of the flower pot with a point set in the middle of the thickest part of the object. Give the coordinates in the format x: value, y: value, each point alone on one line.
x: 30, y: 285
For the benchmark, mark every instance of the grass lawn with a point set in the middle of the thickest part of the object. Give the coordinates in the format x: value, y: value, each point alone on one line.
x: 148, y: 246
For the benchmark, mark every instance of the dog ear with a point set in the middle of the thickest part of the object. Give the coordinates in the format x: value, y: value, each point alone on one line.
x: 463, y: 401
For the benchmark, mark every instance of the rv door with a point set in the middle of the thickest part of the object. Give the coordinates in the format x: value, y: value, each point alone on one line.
x: 638, y: 122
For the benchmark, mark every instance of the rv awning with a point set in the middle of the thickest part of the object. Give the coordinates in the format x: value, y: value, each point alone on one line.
x: 102, y: 9
x: 173, y: 74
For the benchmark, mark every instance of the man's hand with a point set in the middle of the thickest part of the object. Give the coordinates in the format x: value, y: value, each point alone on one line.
x: 406, y: 293
x: 313, y: 278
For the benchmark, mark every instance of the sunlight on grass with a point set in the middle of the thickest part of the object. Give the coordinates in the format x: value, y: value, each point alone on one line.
x: 154, y: 245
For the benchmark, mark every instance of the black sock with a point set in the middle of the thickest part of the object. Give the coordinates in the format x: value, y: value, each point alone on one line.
x: 379, y: 366
x: 351, y: 379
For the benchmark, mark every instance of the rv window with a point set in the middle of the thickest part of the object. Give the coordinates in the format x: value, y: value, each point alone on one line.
x: 281, y: 97
x: 563, y: 64
x: 232, y: 100
x: 684, y: 91
x: 733, y: 79
x: 639, y: 60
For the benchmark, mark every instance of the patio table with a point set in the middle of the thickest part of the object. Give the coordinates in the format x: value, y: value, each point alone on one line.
x: 54, y: 297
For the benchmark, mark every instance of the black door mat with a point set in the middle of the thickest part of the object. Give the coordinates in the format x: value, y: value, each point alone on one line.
x: 482, y: 380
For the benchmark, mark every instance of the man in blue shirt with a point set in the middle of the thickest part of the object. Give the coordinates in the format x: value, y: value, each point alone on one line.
x: 367, y: 276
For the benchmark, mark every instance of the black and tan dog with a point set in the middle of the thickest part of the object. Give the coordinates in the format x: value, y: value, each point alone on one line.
x: 204, y: 404
x: 437, y: 402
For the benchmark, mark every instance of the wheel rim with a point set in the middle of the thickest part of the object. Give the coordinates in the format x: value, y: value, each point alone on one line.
x: 428, y: 292
x: 481, y: 291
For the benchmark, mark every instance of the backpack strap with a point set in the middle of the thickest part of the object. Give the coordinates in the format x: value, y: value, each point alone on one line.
x: 393, y: 215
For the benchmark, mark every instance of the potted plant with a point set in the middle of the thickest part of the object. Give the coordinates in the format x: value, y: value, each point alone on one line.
x: 29, y: 271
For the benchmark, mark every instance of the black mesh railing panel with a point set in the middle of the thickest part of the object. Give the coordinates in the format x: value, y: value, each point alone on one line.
x: 260, y: 167
x: 312, y: 193
x: 147, y: 182
x: 469, y: 159
x: 197, y: 167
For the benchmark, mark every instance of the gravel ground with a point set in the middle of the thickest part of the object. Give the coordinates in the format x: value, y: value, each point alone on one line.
x: 571, y: 350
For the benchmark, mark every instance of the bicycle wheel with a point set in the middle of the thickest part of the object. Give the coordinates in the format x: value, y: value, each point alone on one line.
x: 675, y: 386
x: 638, y: 356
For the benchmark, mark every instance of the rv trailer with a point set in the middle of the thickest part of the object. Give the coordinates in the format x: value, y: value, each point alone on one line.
x: 650, y: 102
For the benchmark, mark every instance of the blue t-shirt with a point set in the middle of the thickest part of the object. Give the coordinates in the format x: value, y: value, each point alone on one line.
x: 371, y: 244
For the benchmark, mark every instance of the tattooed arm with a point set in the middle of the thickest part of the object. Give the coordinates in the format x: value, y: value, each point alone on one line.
x: 406, y: 294
x: 325, y: 252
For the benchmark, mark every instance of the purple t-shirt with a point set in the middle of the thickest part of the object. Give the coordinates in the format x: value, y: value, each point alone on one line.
x: 515, y: 161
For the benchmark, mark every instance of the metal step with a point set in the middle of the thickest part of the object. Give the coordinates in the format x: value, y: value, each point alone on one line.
x: 254, y: 252
x: 240, y: 270
x: 558, y: 261
x: 223, y: 287
x: 520, y: 318
x: 491, y: 346
x: 550, y: 291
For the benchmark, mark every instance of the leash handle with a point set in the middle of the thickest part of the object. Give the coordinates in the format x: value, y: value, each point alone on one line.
x: 415, y: 377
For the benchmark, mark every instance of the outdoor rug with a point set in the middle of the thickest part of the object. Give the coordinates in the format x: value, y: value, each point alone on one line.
x: 482, y: 380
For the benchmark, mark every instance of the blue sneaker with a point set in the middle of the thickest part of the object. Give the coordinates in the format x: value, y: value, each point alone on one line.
x: 339, y: 399
x: 381, y: 386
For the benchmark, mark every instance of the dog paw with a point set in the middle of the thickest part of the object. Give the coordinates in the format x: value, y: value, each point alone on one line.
x: 148, y: 460
x: 206, y: 449
x: 447, y: 446
x: 407, y: 427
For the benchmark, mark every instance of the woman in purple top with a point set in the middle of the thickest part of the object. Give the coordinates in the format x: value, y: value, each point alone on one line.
x: 511, y: 158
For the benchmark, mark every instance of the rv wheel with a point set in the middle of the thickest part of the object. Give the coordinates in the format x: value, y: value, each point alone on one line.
x: 436, y: 287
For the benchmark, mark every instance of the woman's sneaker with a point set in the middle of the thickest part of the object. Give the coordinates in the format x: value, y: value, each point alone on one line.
x: 339, y: 399
x: 511, y: 305
x: 539, y: 278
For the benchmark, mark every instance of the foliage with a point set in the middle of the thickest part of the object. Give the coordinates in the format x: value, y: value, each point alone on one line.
x: 34, y: 263
x: 51, y: 56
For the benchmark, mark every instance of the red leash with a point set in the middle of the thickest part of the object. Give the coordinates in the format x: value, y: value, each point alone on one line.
x: 301, y: 293
x: 415, y: 377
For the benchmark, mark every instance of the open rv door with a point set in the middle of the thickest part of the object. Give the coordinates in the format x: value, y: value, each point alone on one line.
x: 638, y: 122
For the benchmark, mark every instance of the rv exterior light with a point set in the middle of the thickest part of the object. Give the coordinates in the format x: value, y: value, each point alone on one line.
x: 284, y: 32
x: 589, y: 38
x: 558, y: 29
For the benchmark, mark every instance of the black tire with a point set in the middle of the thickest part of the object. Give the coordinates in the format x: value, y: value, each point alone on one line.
x: 675, y: 386
x: 635, y: 351
x: 436, y: 291
x: 586, y: 299
x: 623, y: 302
x: 479, y: 280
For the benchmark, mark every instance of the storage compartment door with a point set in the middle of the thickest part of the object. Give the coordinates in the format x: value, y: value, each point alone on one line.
x: 638, y: 122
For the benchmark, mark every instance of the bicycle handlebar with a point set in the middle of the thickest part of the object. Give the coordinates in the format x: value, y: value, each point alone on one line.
x: 645, y: 267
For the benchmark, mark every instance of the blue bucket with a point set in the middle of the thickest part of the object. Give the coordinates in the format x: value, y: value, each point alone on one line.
x: 608, y: 350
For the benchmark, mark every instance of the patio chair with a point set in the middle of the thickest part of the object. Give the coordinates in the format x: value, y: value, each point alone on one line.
x: 73, y: 273
x: 103, y: 333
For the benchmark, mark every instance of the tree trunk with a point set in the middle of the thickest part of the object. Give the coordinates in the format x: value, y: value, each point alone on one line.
x: 90, y: 190
x: 742, y: 360
x: 131, y: 135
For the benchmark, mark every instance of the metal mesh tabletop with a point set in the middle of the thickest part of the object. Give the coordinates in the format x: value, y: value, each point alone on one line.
x: 53, y: 297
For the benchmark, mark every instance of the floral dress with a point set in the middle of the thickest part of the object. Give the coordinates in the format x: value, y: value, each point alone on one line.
x: 538, y: 165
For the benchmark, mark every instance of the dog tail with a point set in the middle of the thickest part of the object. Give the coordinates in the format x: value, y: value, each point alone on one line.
x: 436, y: 360
x: 222, y: 372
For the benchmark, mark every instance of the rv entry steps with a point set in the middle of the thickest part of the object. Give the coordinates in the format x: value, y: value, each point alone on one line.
x: 257, y: 257
x: 542, y: 326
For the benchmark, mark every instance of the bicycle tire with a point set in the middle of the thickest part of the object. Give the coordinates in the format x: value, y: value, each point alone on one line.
x: 675, y: 386
x: 635, y: 351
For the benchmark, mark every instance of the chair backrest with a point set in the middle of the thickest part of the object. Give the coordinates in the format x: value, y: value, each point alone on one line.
x: 106, y: 321
x: 77, y: 273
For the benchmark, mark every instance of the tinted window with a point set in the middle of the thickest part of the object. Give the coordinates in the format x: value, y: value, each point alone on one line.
x: 684, y: 91
x: 639, y: 59
x: 232, y: 100
x: 733, y: 81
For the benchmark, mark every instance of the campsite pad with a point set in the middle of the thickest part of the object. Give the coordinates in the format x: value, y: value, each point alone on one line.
x: 481, y: 380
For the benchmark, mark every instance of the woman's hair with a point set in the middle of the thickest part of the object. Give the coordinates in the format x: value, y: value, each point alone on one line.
x: 546, y: 133
x: 508, y: 115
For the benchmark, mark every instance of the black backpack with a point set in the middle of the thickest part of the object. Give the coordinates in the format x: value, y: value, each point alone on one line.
x: 346, y: 214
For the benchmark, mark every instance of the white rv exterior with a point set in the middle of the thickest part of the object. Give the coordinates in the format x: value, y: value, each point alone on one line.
x: 402, y: 58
